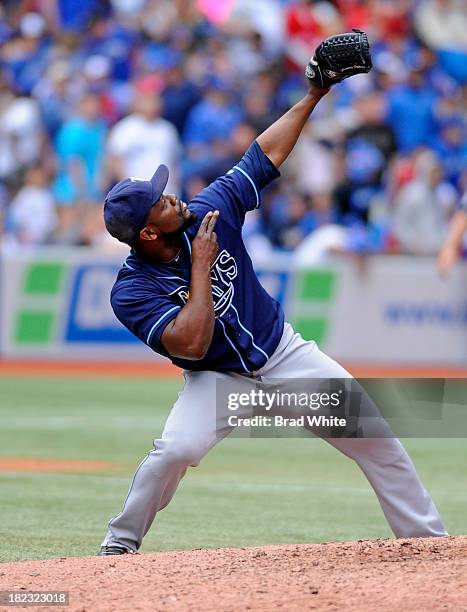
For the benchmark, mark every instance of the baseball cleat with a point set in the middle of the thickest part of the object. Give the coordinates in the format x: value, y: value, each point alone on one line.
x: 107, y: 551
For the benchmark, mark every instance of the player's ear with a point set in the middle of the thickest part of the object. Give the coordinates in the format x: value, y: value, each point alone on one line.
x: 148, y: 233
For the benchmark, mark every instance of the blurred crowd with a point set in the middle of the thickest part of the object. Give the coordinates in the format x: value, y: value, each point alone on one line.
x: 93, y: 91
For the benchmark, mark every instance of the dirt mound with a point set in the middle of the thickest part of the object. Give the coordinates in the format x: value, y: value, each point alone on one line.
x: 416, y: 574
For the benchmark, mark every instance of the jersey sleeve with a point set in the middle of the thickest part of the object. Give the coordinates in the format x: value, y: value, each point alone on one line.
x: 145, y: 313
x: 239, y: 190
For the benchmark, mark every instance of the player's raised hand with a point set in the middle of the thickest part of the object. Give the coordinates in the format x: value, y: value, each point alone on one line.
x: 337, y: 58
x: 205, y: 244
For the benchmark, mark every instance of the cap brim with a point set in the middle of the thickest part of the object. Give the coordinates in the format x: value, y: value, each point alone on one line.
x: 159, y: 182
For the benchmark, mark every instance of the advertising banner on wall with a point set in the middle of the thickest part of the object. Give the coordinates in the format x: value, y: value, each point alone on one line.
x: 391, y: 310
x: 385, y: 309
x: 56, y: 303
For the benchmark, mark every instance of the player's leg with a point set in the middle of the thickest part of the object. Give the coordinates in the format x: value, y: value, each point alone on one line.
x: 192, y: 428
x: 404, y: 500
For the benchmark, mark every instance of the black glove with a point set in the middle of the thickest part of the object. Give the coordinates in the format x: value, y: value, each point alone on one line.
x: 339, y: 57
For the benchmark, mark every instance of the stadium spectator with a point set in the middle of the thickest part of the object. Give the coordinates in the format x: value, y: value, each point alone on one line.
x: 96, y: 80
x: 57, y: 96
x: 442, y: 24
x: 258, y: 109
x: 26, y: 53
x: 209, y: 127
x: 411, y: 110
x: 313, y: 163
x: 307, y: 23
x: 179, y: 96
x: 369, y: 147
x: 423, y: 207
x: 451, y: 148
x: 264, y: 19
x: 140, y: 142
x: 21, y: 133
x: 372, y: 127
x: 79, y: 147
x: 31, y: 216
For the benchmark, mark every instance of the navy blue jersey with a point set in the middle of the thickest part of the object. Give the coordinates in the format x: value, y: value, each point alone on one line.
x: 249, y: 322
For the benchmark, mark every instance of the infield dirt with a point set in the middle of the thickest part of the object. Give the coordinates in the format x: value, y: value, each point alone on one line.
x: 416, y: 574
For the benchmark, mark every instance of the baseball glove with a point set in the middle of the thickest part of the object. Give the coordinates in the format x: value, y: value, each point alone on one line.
x: 339, y: 57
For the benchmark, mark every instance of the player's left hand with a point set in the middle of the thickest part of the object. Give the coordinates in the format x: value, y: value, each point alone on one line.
x: 205, y: 245
x: 339, y: 57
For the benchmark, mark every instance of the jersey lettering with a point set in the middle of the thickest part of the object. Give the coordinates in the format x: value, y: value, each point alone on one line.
x: 223, y: 272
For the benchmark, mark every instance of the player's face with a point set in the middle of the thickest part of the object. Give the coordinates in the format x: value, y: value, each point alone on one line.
x: 170, y: 215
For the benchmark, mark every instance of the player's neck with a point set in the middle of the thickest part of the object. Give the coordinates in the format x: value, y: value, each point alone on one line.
x: 160, y: 251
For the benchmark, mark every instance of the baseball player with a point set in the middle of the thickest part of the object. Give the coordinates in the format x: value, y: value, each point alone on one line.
x: 188, y: 290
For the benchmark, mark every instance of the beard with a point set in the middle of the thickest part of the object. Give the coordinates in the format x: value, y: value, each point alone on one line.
x: 177, y: 234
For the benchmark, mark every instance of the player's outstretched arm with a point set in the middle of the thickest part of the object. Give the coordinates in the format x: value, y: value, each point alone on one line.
x: 336, y: 58
x: 449, y: 253
x: 189, y: 335
x: 280, y: 138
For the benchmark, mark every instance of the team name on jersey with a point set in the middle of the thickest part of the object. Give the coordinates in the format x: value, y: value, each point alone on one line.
x: 223, y: 272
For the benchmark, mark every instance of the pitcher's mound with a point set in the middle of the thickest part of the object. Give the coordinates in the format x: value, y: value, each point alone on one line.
x: 416, y: 574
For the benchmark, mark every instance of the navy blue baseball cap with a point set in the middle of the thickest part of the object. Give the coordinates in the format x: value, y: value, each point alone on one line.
x: 127, y: 205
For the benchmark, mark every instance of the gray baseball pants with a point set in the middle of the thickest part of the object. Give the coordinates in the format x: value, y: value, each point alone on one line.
x: 194, y: 426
